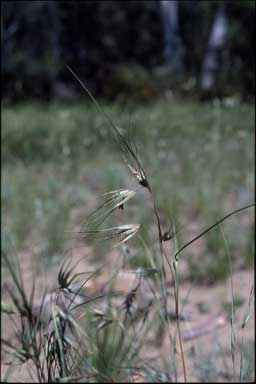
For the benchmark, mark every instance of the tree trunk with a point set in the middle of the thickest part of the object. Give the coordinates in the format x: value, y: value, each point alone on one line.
x: 173, y: 48
x: 215, y: 44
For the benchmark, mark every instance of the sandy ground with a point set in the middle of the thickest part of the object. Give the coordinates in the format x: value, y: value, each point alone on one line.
x: 203, y: 307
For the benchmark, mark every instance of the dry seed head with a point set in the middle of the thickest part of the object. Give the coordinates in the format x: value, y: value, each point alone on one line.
x: 123, y: 143
x: 168, y: 236
x: 120, y: 192
x: 126, y: 232
x: 139, y: 174
x: 111, y: 201
x: 121, y: 232
x: 171, y: 233
x: 118, y: 197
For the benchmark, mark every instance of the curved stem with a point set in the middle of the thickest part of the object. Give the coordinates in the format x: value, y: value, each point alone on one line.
x: 209, y: 228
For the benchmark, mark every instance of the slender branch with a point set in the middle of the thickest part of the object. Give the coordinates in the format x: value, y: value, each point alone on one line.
x: 163, y: 253
x: 211, y: 227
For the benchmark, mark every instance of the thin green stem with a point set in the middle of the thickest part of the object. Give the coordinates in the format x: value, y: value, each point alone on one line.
x: 163, y: 253
x: 209, y: 228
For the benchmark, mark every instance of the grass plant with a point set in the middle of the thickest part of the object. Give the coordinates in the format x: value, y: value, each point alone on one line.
x: 102, y: 337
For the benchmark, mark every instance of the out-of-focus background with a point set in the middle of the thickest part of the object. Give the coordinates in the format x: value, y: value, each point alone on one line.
x: 137, y: 49
x: 177, y: 77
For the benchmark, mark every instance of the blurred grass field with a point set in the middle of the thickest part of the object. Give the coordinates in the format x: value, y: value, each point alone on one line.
x: 56, y: 158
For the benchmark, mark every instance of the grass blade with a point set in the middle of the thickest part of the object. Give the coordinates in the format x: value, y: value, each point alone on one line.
x: 211, y: 227
x: 248, y: 307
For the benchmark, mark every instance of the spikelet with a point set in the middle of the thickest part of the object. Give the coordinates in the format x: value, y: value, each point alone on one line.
x: 121, y: 233
x: 111, y: 201
x: 129, y: 153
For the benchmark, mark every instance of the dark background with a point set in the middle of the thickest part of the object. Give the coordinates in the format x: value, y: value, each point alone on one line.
x: 117, y: 48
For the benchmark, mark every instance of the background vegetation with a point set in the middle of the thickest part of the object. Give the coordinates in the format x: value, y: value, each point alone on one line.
x: 117, y: 47
x: 58, y: 156
x: 200, y: 159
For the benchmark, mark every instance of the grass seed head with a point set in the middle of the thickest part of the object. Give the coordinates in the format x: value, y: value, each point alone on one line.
x: 126, y: 232
x: 121, y: 232
x: 111, y: 201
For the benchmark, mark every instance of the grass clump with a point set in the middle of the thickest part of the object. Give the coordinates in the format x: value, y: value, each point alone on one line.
x: 101, y: 336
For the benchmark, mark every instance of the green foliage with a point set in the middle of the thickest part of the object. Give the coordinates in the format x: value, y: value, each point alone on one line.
x: 58, y: 131
x: 74, y: 142
x: 56, y: 220
x: 210, y: 269
x: 218, y: 267
x: 247, y: 363
x: 139, y: 260
x: 131, y: 82
x: 17, y: 196
x: 250, y: 251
